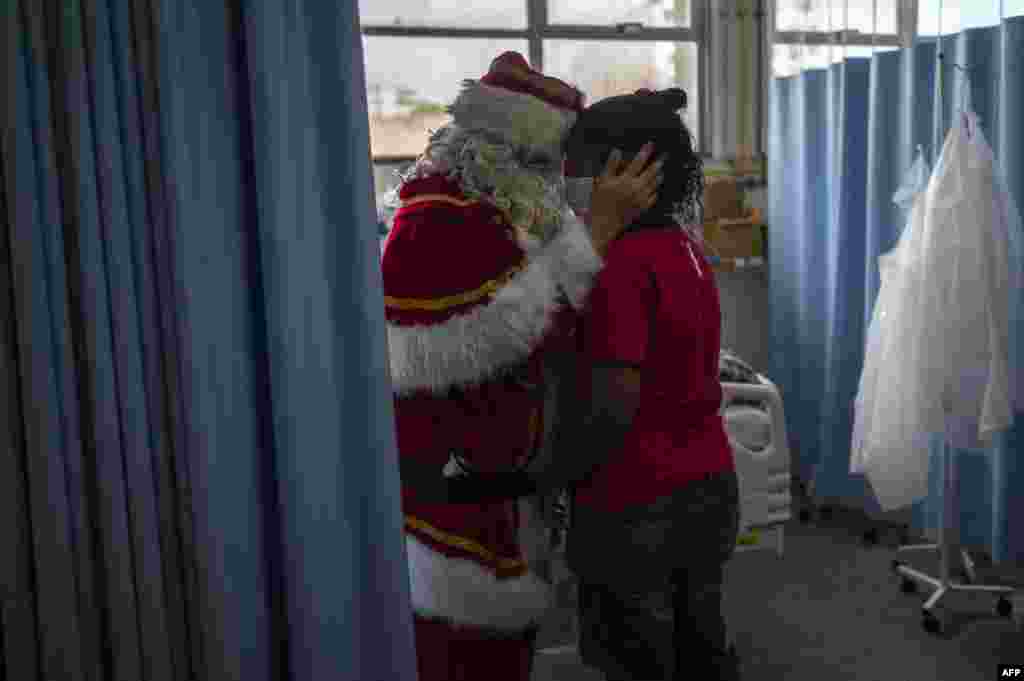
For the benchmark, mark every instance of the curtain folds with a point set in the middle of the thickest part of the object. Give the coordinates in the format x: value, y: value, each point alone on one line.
x: 841, y: 139
x: 198, y: 476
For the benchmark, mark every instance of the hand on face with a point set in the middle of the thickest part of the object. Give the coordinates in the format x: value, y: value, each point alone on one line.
x: 622, y: 193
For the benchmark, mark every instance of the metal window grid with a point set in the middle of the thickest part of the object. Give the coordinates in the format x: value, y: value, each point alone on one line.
x: 906, y: 30
x: 538, y: 29
x: 906, y: 33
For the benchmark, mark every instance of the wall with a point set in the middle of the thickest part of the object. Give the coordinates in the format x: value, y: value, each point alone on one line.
x: 744, y: 296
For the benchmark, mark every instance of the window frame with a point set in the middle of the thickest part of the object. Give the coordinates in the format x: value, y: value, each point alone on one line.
x: 538, y: 29
x: 906, y: 34
x: 906, y: 31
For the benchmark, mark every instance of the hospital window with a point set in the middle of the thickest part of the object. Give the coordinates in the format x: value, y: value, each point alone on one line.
x: 409, y: 80
x: 810, y: 34
x: 417, y: 53
x: 652, y: 65
x: 952, y: 16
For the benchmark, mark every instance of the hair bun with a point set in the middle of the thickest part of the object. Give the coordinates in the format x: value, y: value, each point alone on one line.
x: 674, y: 98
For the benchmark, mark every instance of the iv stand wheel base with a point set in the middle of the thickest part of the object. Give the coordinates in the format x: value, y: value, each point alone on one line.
x: 907, y: 585
x: 931, y: 620
x: 932, y: 623
x: 870, y: 537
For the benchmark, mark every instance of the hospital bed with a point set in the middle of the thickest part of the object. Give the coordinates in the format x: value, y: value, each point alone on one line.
x: 756, y: 425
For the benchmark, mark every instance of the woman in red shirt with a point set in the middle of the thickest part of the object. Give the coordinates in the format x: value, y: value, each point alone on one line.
x: 656, y: 505
x: 656, y: 521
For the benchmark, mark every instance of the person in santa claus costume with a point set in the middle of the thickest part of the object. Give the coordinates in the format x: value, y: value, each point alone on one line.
x: 655, y: 510
x: 483, y: 269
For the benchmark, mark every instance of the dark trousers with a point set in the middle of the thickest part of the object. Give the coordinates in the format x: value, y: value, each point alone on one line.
x: 700, y: 635
x: 651, y: 583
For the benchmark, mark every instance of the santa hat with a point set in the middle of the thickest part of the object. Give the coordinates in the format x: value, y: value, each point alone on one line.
x: 510, y: 71
x: 519, y: 106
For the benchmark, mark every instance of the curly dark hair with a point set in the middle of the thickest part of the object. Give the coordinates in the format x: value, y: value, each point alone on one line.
x: 627, y: 122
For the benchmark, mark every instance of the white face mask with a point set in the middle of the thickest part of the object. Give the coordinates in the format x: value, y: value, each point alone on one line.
x: 578, y: 191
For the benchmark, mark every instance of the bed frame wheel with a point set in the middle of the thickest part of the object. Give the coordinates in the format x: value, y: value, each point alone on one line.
x: 805, y: 516
x: 871, y: 537
x: 908, y: 586
x: 1004, y: 608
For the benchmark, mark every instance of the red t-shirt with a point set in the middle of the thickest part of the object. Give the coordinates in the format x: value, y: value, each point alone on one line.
x: 655, y: 304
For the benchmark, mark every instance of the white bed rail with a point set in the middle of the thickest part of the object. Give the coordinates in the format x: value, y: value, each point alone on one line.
x: 765, y: 475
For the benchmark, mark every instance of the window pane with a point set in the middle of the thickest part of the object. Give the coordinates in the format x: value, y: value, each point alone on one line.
x: 1013, y: 8
x: 959, y: 15
x: 604, y: 69
x: 837, y: 53
x: 654, y: 13
x: 841, y: 52
x: 928, y: 19
x: 856, y: 51
x: 835, y: 15
x: 862, y: 16
x: 409, y: 81
x: 385, y: 178
x: 804, y: 15
x: 449, y: 13
x: 789, y: 60
x: 386, y: 175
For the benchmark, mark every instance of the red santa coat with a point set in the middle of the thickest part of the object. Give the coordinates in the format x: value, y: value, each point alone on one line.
x: 471, y: 309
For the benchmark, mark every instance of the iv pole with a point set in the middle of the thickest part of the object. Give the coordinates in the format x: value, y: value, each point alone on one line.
x: 949, y: 530
x: 949, y: 541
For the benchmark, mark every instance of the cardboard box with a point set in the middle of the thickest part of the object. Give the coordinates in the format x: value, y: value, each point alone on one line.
x: 736, y: 238
x: 722, y: 198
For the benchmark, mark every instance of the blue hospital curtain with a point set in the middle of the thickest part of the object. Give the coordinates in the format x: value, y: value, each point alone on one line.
x: 840, y: 142
x: 198, y: 475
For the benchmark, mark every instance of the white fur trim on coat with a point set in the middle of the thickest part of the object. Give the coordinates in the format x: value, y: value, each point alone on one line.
x: 463, y: 592
x: 469, y: 348
x: 578, y: 263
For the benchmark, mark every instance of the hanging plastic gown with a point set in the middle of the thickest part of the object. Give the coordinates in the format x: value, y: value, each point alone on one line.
x: 909, y: 197
x: 941, y: 363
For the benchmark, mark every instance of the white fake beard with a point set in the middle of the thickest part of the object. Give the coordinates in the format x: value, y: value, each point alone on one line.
x: 483, y: 167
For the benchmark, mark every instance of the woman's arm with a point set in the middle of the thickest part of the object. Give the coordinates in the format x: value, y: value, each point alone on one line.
x: 587, y: 436
x: 590, y: 428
